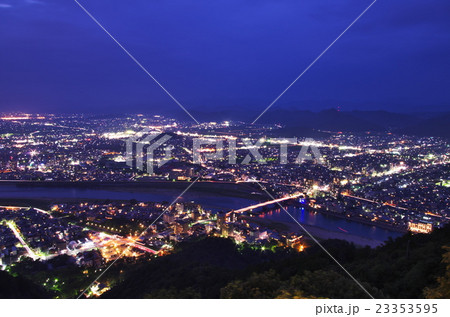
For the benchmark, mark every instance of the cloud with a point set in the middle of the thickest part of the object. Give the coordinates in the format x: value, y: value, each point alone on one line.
x: 34, y: 2
x: 21, y: 3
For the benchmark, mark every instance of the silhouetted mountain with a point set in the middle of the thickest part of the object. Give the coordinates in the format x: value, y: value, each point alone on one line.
x: 216, y: 267
x: 387, y: 120
x: 199, y: 269
x: 223, y: 115
x: 327, y: 120
x: 298, y: 132
x: 333, y: 120
x: 18, y: 287
x: 343, y: 121
x: 307, y: 123
x: 437, y: 126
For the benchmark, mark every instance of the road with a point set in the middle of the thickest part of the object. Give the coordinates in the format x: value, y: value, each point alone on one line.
x: 18, y: 235
x: 29, y: 207
x: 374, y: 202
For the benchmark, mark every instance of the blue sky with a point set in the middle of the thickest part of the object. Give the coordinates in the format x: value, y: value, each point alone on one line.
x: 233, y: 54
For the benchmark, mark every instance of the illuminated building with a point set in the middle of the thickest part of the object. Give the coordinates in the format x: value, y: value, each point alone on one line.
x: 420, y: 227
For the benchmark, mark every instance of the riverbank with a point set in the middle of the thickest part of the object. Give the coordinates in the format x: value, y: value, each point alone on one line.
x: 365, y: 221
x: 210, y: 195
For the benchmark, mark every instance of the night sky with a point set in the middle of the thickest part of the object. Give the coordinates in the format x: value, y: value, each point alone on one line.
x: 224, y: 54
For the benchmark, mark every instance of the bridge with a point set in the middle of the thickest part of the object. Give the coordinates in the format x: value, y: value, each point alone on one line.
x: 373, y: 201
x: 270, y: 202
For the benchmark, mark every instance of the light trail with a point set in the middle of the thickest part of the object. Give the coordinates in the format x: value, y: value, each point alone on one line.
x: 436, y: 215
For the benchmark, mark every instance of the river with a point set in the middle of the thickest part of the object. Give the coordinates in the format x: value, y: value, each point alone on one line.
x: 327, y: 226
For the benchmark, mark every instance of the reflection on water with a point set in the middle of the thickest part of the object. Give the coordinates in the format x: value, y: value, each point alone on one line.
x: 207, y: 200
x: 331, y: 223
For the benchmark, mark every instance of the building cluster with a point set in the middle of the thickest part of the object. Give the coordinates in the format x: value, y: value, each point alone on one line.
x: 379, y: 178
x: 115, y: 226
x: 97, y: 233
x: 34, y: 233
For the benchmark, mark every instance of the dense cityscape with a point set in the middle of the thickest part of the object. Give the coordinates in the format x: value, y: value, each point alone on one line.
x: 377, y: 181
x: 157, y: 151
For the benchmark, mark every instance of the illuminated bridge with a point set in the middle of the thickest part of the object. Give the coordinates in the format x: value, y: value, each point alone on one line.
x: 270, y: 202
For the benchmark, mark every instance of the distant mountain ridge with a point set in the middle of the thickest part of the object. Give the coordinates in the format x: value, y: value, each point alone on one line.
x: 305, y: 121
x: 436, y: 126
x: 310, y: 123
